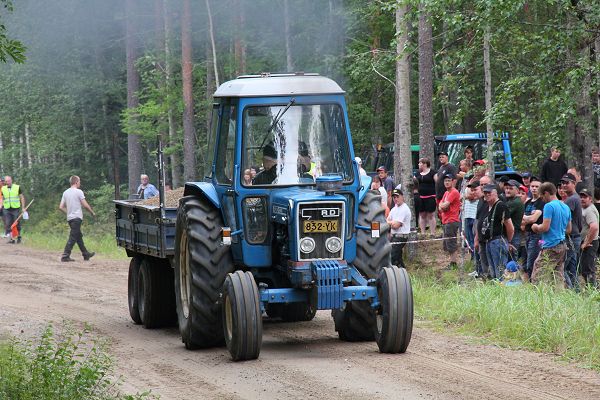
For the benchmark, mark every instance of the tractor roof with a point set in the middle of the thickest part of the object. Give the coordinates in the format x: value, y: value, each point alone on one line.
x: 278, y: 85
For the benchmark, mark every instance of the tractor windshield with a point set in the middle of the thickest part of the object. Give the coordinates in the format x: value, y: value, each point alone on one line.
x: 295, y: 145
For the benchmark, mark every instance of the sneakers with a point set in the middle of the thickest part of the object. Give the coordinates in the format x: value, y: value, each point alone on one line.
x: 89, y: 255
x: 66, y: 259
x: 474, y: 274
x: 11, y: 241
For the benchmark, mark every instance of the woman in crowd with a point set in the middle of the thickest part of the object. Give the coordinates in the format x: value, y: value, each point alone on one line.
x: 427, y: 204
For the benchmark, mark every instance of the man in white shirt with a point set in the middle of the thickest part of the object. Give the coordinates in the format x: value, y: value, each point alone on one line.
x: 376, y: 185
x: 399, y: 221
x: 72, y: 201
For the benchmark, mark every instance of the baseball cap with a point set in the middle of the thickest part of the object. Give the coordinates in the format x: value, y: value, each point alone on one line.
x: 526, y: 174
x: 489, y: 187
x: 381, y: 168
x: 478, y: 162
x: 514, y: 183
x: 585, y: 192
x: 474, y: 184
x: 442, y: 153
x: 524, y: 188
x: 269, y: 151
x: 449, y: 176
x: 504, y: 179
x: 568, y: 178
x: 512, y: 266
x: 397, y: 192
x: 358, y: 160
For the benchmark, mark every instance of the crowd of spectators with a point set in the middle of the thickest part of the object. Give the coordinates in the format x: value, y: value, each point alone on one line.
x: 548, y: 220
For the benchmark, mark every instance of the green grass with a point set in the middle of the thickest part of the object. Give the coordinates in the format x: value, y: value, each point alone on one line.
x: 537, y: 318
x: 68, y: 365
x: 99, y: 238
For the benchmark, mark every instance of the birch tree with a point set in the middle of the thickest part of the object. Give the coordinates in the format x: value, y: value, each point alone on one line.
x: 189, y: 132
x: 426, y: 139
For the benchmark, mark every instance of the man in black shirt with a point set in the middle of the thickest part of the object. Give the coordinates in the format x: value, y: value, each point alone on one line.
x: 534, y: 209
x: 553, y: 168
x: 445, y: 169
x: 492, y: 228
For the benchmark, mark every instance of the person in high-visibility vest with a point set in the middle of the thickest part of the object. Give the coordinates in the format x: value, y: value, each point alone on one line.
x: 12, y: 202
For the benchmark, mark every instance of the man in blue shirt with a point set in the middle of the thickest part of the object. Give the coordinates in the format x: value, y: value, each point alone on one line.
x: 146, y: 189
x: 556, y: 223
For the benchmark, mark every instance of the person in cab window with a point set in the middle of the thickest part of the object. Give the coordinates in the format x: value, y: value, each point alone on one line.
x: 269, y: 173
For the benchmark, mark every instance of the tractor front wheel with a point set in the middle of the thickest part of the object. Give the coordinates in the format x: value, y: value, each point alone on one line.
x: 242, y: 321
x: 393, y: 329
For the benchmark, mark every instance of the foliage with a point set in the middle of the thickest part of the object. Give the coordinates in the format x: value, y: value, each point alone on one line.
x: 9, y: 48
x: 537, y: 318
x: 69, y: 365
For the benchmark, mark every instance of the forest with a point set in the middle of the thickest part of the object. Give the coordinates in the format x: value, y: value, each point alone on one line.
x: 87, y: 87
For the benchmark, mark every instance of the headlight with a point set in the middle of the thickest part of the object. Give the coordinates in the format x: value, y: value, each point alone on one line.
x: 333, y: 244
x: 307, y: 245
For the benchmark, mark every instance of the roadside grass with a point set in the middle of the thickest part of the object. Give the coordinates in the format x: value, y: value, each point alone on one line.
x: 69, y: 365
x: 99, y: 238
x: 539, y: 318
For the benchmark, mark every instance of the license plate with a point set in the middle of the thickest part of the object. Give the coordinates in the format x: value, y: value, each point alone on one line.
x: 319, y: 226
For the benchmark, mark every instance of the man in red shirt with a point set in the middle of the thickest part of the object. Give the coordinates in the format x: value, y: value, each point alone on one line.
x: 449, y: 213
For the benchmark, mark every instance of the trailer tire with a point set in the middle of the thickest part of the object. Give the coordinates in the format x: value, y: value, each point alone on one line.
x: 155, y: 293
x: 132, y: 289
x: 293, y: 312
x: 242, y: 320
x: 393, y: 329
x: 356, y: 320
x: 201, y: 264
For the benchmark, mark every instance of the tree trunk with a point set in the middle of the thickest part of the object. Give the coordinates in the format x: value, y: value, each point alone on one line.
x: 21, y: 156
x: 402, y: 139
x: 426, y: 139
x: 288, y: 47
x: 174, y: 156
x: 28, y: 146
x: 189, y: 132
x: 488, y: 99
x: 239, y: 45
x: 85, y: 133
x: 212, y: 43
x: 1, y: 152
x: 134, y: 148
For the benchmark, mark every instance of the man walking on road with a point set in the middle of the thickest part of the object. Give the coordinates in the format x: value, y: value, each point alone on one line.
x: 13, y: 201
x: 72, y: 201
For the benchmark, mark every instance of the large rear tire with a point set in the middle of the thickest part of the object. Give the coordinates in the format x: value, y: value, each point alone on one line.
x: 356, y: 320
x: 155, y: 293
x: 201, y: 264
x: 242, y: 320
x: 395, y: 316
x: 132, y: 289
x: 294, y: 312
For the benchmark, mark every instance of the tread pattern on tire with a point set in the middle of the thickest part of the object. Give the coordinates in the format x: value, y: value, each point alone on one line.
x: 209, y: 263
x: 157, y: 305
x: 246, y: 339
x: 132, y: 289
x: 355, y: 322
x: 396, y: 298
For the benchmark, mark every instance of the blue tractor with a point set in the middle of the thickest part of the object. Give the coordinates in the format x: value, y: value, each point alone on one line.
x: 304, y: 234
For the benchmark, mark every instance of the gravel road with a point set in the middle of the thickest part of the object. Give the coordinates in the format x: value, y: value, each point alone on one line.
x: 301, y: 360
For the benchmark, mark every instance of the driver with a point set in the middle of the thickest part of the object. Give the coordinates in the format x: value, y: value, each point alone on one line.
x: 268, y: 175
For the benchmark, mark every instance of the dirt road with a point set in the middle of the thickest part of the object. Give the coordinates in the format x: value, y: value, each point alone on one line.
x: 304, y: 360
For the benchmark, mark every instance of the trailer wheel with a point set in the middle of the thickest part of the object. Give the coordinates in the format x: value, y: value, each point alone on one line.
x: 155, y: 293
x: 355, y: 322
x: 293, y: 312
x: 132, y: 289
x: 393, y: 329
x: 242, y: 321
x: 201, y: 264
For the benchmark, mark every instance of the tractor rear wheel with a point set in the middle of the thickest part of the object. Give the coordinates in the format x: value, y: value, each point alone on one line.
x: 395, y: 315
x: 242, y: 321
x: 201, y: 264
x: 132, y: 289
x: 356, y: 320
x: 155, y: 293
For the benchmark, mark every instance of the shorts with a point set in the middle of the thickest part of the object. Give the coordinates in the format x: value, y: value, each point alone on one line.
x: 450, y: 231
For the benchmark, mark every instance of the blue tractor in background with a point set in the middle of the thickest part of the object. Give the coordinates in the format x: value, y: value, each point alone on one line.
x: 304, y: 234
x: 454, y: 145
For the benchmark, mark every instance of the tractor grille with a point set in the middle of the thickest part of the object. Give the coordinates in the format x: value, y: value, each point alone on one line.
x: 321, y: 221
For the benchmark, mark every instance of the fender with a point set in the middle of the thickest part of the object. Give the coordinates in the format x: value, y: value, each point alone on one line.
x: 203, y: 189
x: 365, y: 186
